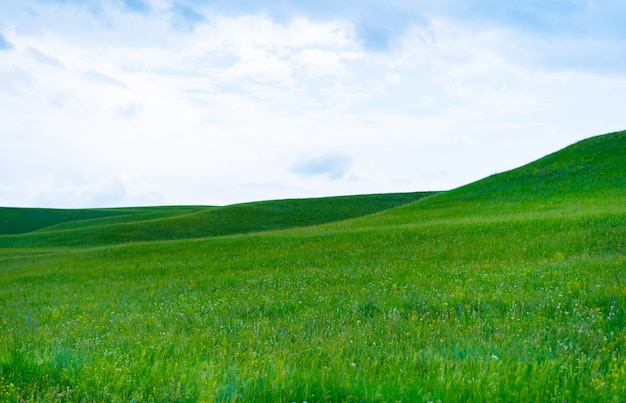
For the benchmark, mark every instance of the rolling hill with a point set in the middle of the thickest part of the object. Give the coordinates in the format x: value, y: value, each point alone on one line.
x: 507, y: 289
x: 93, y: 227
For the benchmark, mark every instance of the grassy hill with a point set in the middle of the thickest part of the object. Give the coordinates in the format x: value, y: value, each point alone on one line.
x: 21, y: 220
x: 507, y: 289
x: 90, y: 228
x: 589, y: 176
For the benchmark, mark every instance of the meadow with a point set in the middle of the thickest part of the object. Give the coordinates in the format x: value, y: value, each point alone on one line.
x: 512, y: 288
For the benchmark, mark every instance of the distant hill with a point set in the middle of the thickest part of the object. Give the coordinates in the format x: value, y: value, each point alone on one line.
x: 92, y: 227
x: 590, y: 167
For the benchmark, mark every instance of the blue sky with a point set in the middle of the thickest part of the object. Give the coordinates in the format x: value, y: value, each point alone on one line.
x: 144, y: 102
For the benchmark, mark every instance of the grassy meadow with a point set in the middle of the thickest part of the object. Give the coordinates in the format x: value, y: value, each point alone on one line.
x: 512, y: 288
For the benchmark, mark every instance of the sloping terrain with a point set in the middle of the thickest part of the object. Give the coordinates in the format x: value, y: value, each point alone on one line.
x: 586, y: 177
x: 507, y: 289
x: 111, y: 226
x: 21, y: 220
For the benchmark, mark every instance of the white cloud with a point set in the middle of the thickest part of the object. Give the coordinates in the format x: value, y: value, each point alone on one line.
x: 262, y: 31
x: 77, y: 192
x: 44, y: 58
x: 230, y: 107
x: 318, y: 62
x: 259, y: 65
x: 129, y: 111
x: 333, y: 165
x: 103, y: 78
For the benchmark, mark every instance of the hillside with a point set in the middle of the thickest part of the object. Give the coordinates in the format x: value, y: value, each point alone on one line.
x: 21, y: 220
x: 507, y: 289
x: 111, y: 226
x: 589, y: 176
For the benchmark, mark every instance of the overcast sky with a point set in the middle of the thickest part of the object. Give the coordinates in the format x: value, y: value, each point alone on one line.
x: 152, y: 102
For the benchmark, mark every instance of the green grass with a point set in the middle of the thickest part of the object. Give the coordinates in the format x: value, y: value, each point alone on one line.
x: 509, y: 289
x: 20, y: 220
x: 170, y: 223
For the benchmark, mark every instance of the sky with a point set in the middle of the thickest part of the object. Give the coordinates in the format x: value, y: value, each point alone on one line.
x: 108, y: 103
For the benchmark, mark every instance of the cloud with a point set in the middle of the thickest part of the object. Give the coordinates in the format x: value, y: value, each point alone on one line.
x: 4, y: 44
x: 5, y: 191
x: 255, y: 49
x: 333, y: 165
x: 104, y: 193
x: 220, y: 96
x: 44, y: 58
x: 319, y: 62
x: 260, y: 66
x: 377, y: 24
x: 61, y: 192
x: 96, y: 76
x: 129, y: 111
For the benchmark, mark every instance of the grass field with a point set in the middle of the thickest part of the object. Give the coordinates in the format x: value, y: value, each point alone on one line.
x: 512, y: 288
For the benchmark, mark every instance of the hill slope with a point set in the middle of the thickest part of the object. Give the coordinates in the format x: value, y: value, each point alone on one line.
x: 112, y: 226
x: 589, y: 176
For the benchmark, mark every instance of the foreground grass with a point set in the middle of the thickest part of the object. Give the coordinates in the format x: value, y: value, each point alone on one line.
x: 374, y: 316
x: 428, y: 304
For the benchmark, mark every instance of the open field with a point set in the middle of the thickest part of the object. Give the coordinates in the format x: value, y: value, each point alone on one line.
x: 512, y: 288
